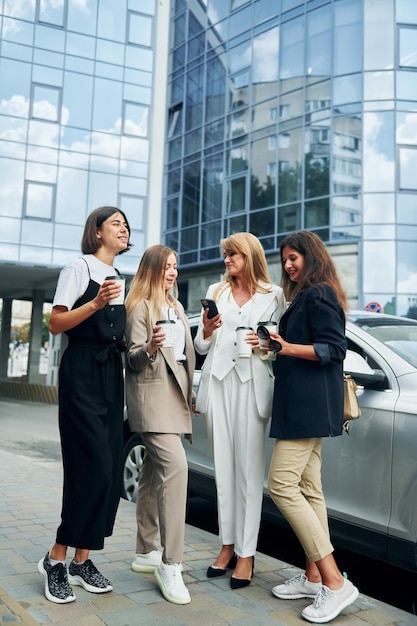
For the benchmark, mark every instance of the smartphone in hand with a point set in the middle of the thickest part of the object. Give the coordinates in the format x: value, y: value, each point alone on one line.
x: 209, y: 304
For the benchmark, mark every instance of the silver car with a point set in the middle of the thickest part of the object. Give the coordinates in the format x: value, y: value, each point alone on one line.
x: 370, y: 474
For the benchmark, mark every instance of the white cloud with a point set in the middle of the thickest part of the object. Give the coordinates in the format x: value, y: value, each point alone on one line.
x: 407, y: 132
x: 379, y: 170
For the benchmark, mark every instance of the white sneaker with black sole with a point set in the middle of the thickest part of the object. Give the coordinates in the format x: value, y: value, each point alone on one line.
x: 57, y: 588
x: 147, y: 562
x: 171, y: 584
x: 88, y: 576
x: 296, y: 587
x: 330, y: 602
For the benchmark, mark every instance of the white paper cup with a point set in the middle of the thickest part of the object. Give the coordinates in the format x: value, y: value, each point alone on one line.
x: 168, y: 326
x: 243, y: 347
x: 272, y: 327
x: 120, y: 299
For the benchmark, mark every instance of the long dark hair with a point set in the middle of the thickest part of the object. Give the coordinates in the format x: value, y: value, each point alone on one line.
x: 318, y: 266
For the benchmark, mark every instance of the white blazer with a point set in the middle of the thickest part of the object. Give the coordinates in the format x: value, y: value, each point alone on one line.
x: 221, y: 348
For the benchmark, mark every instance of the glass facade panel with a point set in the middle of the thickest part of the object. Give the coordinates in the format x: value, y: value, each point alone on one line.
x: 347, y: 36
x: 379, y: 208
x: 263, y: 179
x: 39, y: 200
x: 378, y: 258
x: 236, y: 195
x: 378, y: 152
x: 265, y: 60
x: 290, y: 166
x: 139, y: 29
x: 406, y: 11
x: 292, y: 40
x: 319, y: 43
x: 212, y: 188
x: 378, y: 34
x: 408, y: 168
x: 408, y: 47
x: 378, y: 86
x: 52, y: 13
x: 407, y: 269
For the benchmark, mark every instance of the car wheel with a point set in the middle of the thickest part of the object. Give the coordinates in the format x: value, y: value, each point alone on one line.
x: 133, y: 455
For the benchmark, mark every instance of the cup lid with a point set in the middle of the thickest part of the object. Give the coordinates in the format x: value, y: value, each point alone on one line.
x: 159, y: 322
x: 267, y: 323
x: 115, y: 277
x: 244, y: 328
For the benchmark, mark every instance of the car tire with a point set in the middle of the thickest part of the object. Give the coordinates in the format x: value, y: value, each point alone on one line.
x: 133, y: 455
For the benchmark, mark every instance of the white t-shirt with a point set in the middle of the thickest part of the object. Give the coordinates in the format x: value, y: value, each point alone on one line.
x: 74, y: 278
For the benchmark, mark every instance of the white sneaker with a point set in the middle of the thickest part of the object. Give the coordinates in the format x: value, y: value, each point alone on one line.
x: 297, y: 587
x: 147, y: 562
x: 328, y: 603
x: 170, y: 582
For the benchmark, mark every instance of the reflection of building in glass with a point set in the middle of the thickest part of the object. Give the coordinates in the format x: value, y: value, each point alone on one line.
x: 290, y: 115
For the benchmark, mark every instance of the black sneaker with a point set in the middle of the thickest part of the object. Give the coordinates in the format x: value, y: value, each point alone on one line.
x: 87, y: 575
x: 57, y: 588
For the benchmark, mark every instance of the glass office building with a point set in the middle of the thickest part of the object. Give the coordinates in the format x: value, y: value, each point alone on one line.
x: 289, y: 114
x: 75, y: 93
x: 76, y: 101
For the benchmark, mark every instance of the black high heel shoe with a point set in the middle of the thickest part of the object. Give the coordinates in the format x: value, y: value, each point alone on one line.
x: 214, y: 572
x: 238, y: 583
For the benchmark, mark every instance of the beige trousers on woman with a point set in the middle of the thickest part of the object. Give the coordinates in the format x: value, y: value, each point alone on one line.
x: 294, y: 485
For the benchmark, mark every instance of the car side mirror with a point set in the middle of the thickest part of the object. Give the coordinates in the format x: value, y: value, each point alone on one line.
x: 364, y: 375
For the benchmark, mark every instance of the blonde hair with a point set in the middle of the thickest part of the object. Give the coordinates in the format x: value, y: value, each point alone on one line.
x: 148, y: 282
x: 256, y: 267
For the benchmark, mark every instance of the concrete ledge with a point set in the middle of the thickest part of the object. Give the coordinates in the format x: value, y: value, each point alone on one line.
x: 29, y: 391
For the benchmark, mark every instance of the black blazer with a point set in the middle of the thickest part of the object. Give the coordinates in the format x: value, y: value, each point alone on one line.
x: 308, y: 395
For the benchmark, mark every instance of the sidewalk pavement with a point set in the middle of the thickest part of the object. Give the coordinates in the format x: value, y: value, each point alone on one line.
x: 30, y: 498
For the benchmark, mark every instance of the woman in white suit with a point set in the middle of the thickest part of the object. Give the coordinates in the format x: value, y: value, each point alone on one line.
x: 235, y: 394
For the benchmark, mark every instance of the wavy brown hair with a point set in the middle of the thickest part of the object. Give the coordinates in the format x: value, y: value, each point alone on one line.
x: 256, y: 267
x: 148, y: 282
x: 318, y: 266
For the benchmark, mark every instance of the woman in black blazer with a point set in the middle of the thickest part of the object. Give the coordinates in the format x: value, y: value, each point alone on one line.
x: 308, y: 405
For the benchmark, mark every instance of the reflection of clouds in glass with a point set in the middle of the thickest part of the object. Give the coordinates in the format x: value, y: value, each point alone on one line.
x: 105, y: 142
x: 21, y: 8
x: 408, y: 168
x: 18, y: 8
x: 407, y: 130
x: 409, y: 283
x: 378, y: 266
x: 17, y: 106
x: 379, y: 163
x: 265, y: 55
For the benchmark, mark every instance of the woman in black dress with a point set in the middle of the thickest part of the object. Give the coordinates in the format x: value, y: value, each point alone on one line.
x: 91, y: 401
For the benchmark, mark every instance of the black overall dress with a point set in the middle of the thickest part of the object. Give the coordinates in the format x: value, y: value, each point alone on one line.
x: 91, y: 402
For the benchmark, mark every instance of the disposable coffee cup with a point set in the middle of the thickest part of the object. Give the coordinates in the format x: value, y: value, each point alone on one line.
x: 244, y: 348
x: 121, y: 297
x: 272, y: 328
x: 168, y: 326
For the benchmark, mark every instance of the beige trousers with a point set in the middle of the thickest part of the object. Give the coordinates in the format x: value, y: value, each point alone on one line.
x: 162, y: 496
x: 294, y: 484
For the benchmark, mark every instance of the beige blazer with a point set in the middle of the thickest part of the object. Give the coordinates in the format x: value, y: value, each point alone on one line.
x: 156, y: 401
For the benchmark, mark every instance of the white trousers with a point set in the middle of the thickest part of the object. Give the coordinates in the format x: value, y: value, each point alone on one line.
x: 237, y: 435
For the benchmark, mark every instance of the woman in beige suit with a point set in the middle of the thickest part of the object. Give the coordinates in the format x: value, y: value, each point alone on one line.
x: 159, y: 400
